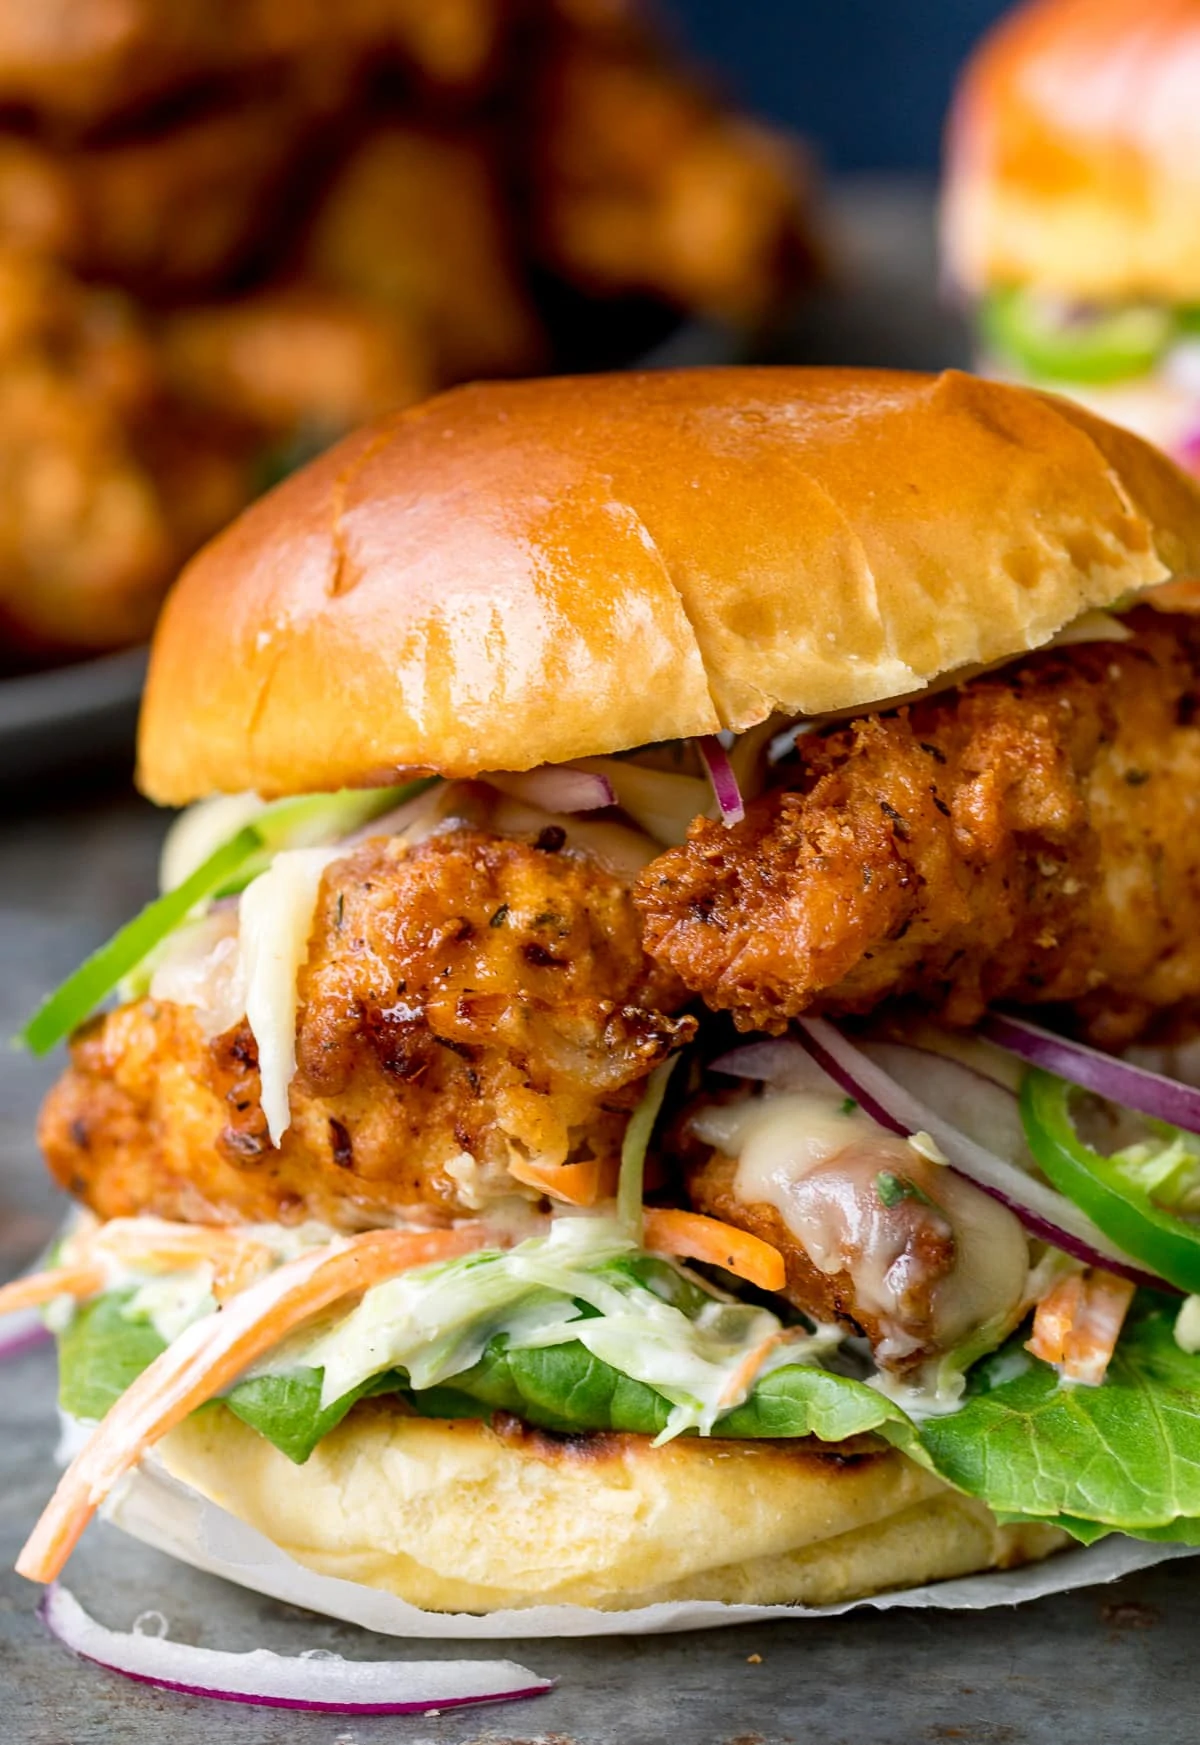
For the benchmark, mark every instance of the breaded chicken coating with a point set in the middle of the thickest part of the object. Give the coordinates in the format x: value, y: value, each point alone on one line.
x: 1030, y: 837
x: 465, y: 1002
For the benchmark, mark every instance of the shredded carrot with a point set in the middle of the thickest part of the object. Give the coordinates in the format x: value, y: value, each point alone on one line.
x: 1078, y: 1323
x: 149, y: 1244
x: 1088, y: 1347
x: 133, y: 1237
x: 1055, y: 1317
x: 692, y: 1236
x: 742, y: 1379
x: 82, y: 1280
x: 208, y: 1357
x: 576, y: 1184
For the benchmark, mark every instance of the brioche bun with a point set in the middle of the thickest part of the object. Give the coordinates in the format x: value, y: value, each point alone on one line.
x: 1073, y: 153
x: 531, y: 572
x: 461, y: 1516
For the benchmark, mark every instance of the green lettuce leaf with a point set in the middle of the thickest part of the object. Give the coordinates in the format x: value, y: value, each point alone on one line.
x: 1125, y: 1455
x: 556, y: 1387
x: 565, y: 1388
x: 100, y: 1352
x: 104, y: 1348
x: 287, y: 1410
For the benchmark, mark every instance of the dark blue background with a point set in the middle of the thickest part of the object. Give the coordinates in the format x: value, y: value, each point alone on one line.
x: 867, y: 80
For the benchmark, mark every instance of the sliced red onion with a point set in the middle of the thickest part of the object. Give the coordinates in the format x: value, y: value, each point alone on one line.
x: 325, y: 1683
x: 970, y: 1049
x: 781, y: 1060
x: 21, y: 1331
x: 966, y: 1098
x: 974, y: 1104
x: 558, y: 788
x: 724, y: 783
x: 401, y: 818
x: 1134, y: 1087
x: 1044, y: 1212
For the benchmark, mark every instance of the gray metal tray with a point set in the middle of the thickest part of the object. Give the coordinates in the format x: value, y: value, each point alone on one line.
x: 70, y: 718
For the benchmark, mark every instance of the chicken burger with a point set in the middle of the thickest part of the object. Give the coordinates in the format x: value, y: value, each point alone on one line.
x: 1072, y: 211
x: 659, y: 1068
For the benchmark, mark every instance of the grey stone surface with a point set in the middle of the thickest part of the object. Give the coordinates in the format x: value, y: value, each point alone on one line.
x: 1114, y: 1666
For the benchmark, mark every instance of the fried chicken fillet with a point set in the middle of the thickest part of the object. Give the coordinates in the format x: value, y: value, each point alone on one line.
x: 467, y: 1001
x: 1030, y: 836
x: 919, y: 1235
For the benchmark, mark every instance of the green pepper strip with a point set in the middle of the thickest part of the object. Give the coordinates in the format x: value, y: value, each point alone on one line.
x: 310, y: 820
x: 304, y: 820
x: 1115, y: 344
x: 1162, y: 1242
x: 82, y: 992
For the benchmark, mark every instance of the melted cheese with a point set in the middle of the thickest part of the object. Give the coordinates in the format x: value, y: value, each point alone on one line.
x: 276, y: 918
x: 820, y: 1165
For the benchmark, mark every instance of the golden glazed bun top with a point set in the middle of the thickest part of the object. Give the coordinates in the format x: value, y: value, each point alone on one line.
x: 527, y: 573
x: 1073, y: 157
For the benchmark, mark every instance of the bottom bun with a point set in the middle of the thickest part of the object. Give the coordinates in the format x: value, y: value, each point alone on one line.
x: 462, y: 1516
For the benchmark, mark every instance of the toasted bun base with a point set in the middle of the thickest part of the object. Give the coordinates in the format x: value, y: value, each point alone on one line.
x: 525, y: 573
x: 458, y: 1516
x: 1073, y: 154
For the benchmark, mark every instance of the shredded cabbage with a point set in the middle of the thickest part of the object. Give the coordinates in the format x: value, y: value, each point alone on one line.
x: 301, y: 821
x: 173, y: 1300
x: 635, y: 1145
x: 1166, y: 1166
x: 436, y: 1322
x: 663, y: 802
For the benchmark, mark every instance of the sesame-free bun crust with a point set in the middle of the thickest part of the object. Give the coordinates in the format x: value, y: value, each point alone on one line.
x: 463, y: 1517
x: 1073, y: 153
x: 531, y: 572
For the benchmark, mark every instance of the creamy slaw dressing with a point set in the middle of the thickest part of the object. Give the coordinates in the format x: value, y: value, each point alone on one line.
x: 435, y: 1322
x: 171, y: 1299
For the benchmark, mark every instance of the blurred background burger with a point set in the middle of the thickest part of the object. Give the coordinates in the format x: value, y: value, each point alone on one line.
x: 1072, y: 207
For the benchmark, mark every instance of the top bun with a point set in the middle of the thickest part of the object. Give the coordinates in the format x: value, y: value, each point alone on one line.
x: 532, y: 572
x: 1073, y: 156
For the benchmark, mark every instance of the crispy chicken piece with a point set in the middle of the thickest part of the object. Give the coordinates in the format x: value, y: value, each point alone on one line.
x: 467, y: 1001
x: 921, y: 1251
x: 414, y: 223
x: 453, y: 44
x: 644, y: 183
x: 180, y: 209
x: 292, y: 361
x: 104, y: 487
x: 81, y: 63
x: 874, y: 1235
x: 1029, y: 837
